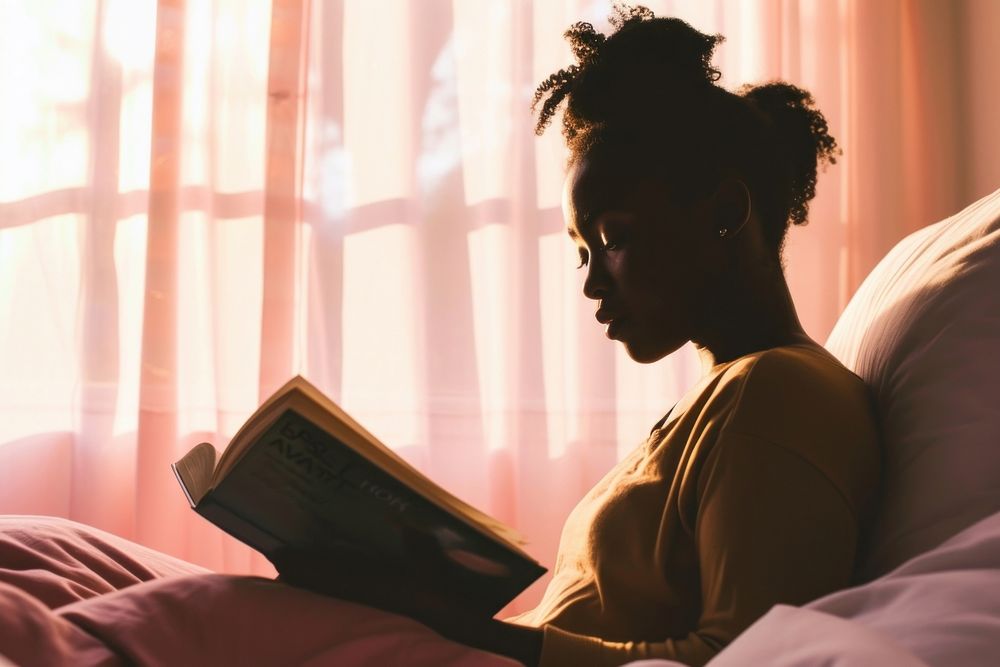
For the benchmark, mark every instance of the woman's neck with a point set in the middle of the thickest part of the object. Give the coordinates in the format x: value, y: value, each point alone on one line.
x: 749, y: 316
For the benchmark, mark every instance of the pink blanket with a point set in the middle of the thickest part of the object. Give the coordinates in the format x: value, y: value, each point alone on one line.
x: 74, y: 595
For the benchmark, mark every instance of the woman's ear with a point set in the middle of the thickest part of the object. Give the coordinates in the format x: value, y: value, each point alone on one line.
x: 731, y: 207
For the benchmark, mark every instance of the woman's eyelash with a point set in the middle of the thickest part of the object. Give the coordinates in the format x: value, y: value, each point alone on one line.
x: 611, y: 242
x: 612, y: 239
x: 608, y: 244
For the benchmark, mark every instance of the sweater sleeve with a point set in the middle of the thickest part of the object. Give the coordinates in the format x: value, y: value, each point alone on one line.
x: 770, y: 528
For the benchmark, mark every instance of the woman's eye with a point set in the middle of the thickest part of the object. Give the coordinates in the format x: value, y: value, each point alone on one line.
x: 611, y: 242
x: 583, y: 261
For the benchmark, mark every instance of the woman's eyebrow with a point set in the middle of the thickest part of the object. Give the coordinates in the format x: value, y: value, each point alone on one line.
x: 583, y: 221
x: 589, y: 217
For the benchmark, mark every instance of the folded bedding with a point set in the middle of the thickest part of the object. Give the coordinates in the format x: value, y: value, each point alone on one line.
x: 74, y: 595
x: 58, y: 561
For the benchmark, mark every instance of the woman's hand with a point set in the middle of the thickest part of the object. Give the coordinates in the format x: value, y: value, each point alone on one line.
x: 360, y: 578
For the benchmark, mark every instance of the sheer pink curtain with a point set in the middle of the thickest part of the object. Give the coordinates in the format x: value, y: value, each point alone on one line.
x: 201, y: 198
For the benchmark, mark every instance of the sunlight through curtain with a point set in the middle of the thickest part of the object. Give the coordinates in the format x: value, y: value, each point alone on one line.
x: 200, y: 198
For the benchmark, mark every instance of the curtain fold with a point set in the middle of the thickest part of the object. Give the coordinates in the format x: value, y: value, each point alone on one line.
x: 199, y: 198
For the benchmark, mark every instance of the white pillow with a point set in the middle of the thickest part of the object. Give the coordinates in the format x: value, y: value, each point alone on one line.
x: 923, y: 331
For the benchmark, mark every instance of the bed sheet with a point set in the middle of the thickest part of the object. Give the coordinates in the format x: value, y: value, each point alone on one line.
x: 70, y: 594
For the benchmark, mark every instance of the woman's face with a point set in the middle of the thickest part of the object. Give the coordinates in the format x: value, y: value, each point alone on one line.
x: 651, y: 264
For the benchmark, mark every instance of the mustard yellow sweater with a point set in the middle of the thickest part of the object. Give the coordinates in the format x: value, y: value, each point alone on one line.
x: 751, y: 492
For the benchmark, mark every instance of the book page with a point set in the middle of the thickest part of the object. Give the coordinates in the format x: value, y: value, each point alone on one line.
x: 194, y: 471
x: 365, y: 443
x: 305, y: 489
x: 298, y: 394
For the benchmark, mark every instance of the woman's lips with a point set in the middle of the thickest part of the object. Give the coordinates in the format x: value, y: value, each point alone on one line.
x: 611, y: 320
x: 613, y: 328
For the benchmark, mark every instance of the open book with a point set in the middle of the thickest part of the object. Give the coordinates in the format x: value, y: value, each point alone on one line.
x: 301, y: 474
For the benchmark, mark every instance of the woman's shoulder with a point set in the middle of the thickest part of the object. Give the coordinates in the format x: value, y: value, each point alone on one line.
x: 803, y: 399
x: 785, y: 392
x: 786, y: 384
x: 804, y: 377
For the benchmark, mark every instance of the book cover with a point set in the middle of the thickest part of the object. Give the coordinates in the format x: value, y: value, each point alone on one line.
x: 296, y: 486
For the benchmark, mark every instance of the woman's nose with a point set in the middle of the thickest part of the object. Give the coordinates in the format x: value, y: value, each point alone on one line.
x: 595, y: 286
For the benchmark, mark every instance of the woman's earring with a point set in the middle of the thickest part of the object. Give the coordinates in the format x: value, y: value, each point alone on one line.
x: 723, y: 231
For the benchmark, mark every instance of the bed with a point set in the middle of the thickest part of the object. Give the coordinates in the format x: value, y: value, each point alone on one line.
x: 923, y: 331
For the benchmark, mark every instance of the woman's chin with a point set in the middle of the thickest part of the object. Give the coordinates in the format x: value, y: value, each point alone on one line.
x: 644, y: 353
x: 640, y: 354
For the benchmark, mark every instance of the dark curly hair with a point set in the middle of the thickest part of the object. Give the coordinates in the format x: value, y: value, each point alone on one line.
x: 648, y: 92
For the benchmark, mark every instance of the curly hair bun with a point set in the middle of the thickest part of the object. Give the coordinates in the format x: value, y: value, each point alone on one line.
x: 667, y: 47
x: 646, y: 57
x: 647, y: 94
x: 801, y: 132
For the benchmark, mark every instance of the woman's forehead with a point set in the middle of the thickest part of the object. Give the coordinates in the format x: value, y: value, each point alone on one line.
x: 591, y: 184
x: 595, y: 184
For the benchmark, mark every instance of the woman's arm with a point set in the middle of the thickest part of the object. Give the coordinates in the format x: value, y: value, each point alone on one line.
x: 770, y: 528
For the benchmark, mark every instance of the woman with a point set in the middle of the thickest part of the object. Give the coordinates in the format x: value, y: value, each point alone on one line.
x: 754, y: 489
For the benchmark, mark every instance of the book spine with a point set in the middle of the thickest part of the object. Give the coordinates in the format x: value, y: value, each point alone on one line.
x: 184, y: 488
